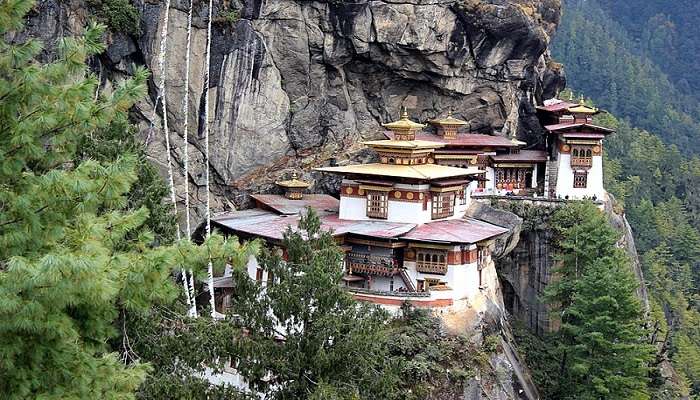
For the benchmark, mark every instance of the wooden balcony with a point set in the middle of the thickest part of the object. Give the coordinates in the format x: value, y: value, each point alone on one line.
x: 429, y: 267
x: 373, y: 265
x: 586, y: 162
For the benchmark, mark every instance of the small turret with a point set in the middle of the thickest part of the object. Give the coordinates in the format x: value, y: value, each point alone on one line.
x: 404, y: 128
x: 448, y: 127
x: 582, y: 113
x: 294, y: 188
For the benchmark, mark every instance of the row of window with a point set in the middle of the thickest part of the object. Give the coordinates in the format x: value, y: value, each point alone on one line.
x: 443, y: 204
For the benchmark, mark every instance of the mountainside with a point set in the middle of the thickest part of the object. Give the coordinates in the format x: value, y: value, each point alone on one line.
x: 299, y: 84
x: 636, y: 60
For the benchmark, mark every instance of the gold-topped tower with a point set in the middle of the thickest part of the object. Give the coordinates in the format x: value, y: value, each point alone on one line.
x: 294, y: 188
x: 448, y: 127
x: 582, y: 108
x: 404, y: 128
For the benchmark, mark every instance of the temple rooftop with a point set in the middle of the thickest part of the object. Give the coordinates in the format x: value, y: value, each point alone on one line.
x: 284, y: 205
x: 463, y: 139
x: 466, y: 230
x: 578, y: 126
x: 528, y: 156
x: 271, y: 226
x: 418, y: 171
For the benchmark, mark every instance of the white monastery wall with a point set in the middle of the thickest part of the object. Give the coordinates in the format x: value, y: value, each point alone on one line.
x: 565, y: 179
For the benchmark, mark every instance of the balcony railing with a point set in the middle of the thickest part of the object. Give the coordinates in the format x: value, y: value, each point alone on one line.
x: 429, y: 267
x: 374, y: 265
x: 581, y: 161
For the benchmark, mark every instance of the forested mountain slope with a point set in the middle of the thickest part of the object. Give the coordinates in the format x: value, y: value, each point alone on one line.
x: 641, y: 71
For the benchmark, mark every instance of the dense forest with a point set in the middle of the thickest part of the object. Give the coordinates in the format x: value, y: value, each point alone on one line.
x: 637, y: 59
x: 92, y: 306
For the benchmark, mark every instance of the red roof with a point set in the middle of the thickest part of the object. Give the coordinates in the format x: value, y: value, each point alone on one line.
x: 526, y: 156
x: 265, y: 224
x: 283, y: 205
x: 466, y: 230
x: 268, y: 225
x: 463, y: 139
x: 580, y: 127
x: 557, y: 106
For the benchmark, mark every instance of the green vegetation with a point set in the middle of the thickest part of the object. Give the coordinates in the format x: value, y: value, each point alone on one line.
x: 601, y: 340
x: 602, y: 60
x: 658, y: 187
x: 118, y: 15
x: 76, y: 251
x: 600, y: 349
x: 639, y: 60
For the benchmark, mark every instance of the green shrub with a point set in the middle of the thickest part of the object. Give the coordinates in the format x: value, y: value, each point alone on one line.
x: 118, y: 15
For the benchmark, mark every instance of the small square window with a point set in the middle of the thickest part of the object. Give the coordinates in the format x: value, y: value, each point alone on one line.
x: 580, y: 179
x: 377, y: 204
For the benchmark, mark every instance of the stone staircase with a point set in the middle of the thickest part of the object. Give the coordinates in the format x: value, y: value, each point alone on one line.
x: 550, y: 178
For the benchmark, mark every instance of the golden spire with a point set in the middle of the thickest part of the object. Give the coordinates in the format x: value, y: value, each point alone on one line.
x: 404, y: 128
x: 447, y: 127
x: 294, y: 187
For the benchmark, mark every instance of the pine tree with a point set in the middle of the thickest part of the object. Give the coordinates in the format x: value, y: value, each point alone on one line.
x: 74, y: 253
x: 601, y: 342
x: 307, y: 337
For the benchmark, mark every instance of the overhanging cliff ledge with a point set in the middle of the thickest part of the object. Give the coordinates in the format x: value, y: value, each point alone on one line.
x: 300, y: 83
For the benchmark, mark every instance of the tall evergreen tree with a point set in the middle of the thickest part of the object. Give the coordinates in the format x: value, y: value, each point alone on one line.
x: 307, y: 337
x: 600, y: 345
x: 73, y: 250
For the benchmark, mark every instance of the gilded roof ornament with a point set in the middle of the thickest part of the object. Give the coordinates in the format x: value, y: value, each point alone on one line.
x: 403, y: 124
x: 449, y: 121
x: 295, y: 182
x: 582, y: 108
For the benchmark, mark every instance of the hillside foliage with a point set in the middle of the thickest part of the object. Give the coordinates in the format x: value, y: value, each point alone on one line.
x: 633, y: 77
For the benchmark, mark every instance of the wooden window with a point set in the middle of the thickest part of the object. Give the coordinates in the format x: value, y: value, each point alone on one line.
x: 420, y: 285
x: 463, y: 195
x: 580, y: 179
x: 259, y: 274
x: 443, y: 205
x: 377, y: 204
x: 581, y: 156
x: 431, y: 261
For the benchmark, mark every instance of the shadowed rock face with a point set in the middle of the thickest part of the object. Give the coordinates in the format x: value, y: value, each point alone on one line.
x: 299, y: 84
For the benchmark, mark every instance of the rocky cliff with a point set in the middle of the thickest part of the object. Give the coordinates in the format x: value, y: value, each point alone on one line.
x: 298, y: 84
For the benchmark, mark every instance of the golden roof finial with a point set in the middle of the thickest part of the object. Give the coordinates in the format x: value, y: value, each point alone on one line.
x: 571, y: 95
x: 295, y: 182
x: 582, y: 101
x: 404, y: 113
x: 449, y: 113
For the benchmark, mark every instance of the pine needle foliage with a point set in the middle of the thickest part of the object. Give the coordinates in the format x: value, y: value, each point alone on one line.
x: 307, y: 337
x: 601, y: 347
x: 73, y: 252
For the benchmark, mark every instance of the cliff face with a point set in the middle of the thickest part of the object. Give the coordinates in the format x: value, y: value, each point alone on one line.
x: 526, y: 260
x: 298, y: 84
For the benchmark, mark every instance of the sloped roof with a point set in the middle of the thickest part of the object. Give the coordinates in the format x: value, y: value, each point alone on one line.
x: 420, y: 171
x: 283, y: 205
x: 463, y: 139
x: 578, y: 126
x: 522, y: 156
x: 467, y: 230
x: 268, y: 225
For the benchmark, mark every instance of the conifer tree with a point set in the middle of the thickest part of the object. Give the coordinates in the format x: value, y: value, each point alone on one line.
x: 601, y: 344
x: 307, y: 337
x: 73, y: 251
